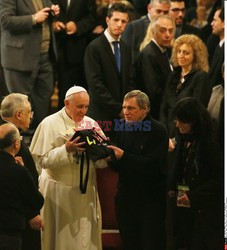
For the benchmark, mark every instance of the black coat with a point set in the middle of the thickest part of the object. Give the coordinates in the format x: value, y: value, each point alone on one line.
x: 18, y: 191
x: 196, y: 85
x: 27, y: 159
x: 188, y: 29
x: 106, y: 85
x: 215, y: 72
x: 205, y: 178
x: 142, y: 168
x: 134, y: 34
x: 82, y: 12
x: 31, y: 238
x: 152, y: 71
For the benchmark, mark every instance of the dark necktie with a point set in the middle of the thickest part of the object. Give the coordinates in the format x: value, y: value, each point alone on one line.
x: 117, y: 54
x: 166, y: 58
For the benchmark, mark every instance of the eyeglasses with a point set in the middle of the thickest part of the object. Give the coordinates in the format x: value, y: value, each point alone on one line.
x: 178, y: 10
x: 31, y: 113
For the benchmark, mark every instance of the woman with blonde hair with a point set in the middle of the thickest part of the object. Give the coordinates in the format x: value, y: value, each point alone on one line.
x: 189, y: 78
x: 148, y: 36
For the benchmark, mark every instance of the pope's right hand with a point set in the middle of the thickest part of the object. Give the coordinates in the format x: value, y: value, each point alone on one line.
x: 74, y: 146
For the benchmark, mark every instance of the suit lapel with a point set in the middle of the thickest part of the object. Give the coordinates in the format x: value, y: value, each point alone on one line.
x: 161, y: 58
x: 110, y: 52
x: 76, y: 3
x: 63, y: 3
x: 217, y: 58
x: 30, y: 5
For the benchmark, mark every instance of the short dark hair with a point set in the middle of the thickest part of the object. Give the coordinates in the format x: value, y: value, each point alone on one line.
x: 9, y: 138
x: 190, y: 110
x: 119, y: 7
x: 221, y: 15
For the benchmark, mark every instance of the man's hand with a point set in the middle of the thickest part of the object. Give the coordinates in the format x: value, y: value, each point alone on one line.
x: 71, y: 28
x: 55, y: 9
x: 36, y: 223
x: 172, y: 144
x: 42, y: 15
x: 98, y: 29
x: 19, y: 160
x: 184, y: 200
x: 117, y: 151
x: 58, y: 26
x: 74, y: 146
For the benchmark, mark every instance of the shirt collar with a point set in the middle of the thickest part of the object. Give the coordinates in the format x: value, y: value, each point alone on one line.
x: 221, y: 42
x: 109, y: 37
x: 161, y: 49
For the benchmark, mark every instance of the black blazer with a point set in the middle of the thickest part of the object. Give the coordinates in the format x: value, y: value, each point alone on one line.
x: 106, y: 85
x: 142, y: 168
x: 18, y: 191
x: 82, y: 12
x: 152, y: 70
x: 216, y: 66
x: 188, y: 29
x: 134, y: 34
x: 196, y: 85
x: 205, y: 177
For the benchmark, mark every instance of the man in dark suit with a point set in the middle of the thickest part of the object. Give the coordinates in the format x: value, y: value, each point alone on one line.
x: 108, y: 69
x: 18, y: 191
x: 177, y: 12
x: 152, y: 65
x: 72, y: 27
x: 141, y: 158
x: 136, y: 30
x: 218, y: 28
x: 26, y: 40
x: 16, y: 109
x: 201, y: 16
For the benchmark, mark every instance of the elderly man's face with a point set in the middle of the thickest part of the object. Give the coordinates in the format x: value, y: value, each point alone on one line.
x: 24, y: 116
x: 77, y: 106
x: 164, y: 32
x: 132, y: 111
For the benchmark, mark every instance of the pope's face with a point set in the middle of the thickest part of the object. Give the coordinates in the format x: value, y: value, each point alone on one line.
x: 77, y: 106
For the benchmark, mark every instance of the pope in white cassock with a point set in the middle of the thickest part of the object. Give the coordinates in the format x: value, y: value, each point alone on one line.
x: 72, y: 218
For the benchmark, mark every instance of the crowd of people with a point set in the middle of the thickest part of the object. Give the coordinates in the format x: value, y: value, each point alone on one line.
x: 147, y: 78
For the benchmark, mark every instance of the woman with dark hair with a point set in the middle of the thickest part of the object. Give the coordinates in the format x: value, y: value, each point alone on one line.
x: 196, y: 179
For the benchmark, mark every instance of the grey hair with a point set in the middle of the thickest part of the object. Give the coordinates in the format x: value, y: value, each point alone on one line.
x: 159, y: 1
x: 155, y: 20
x: 12, y: 103
x: 141, y: 98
